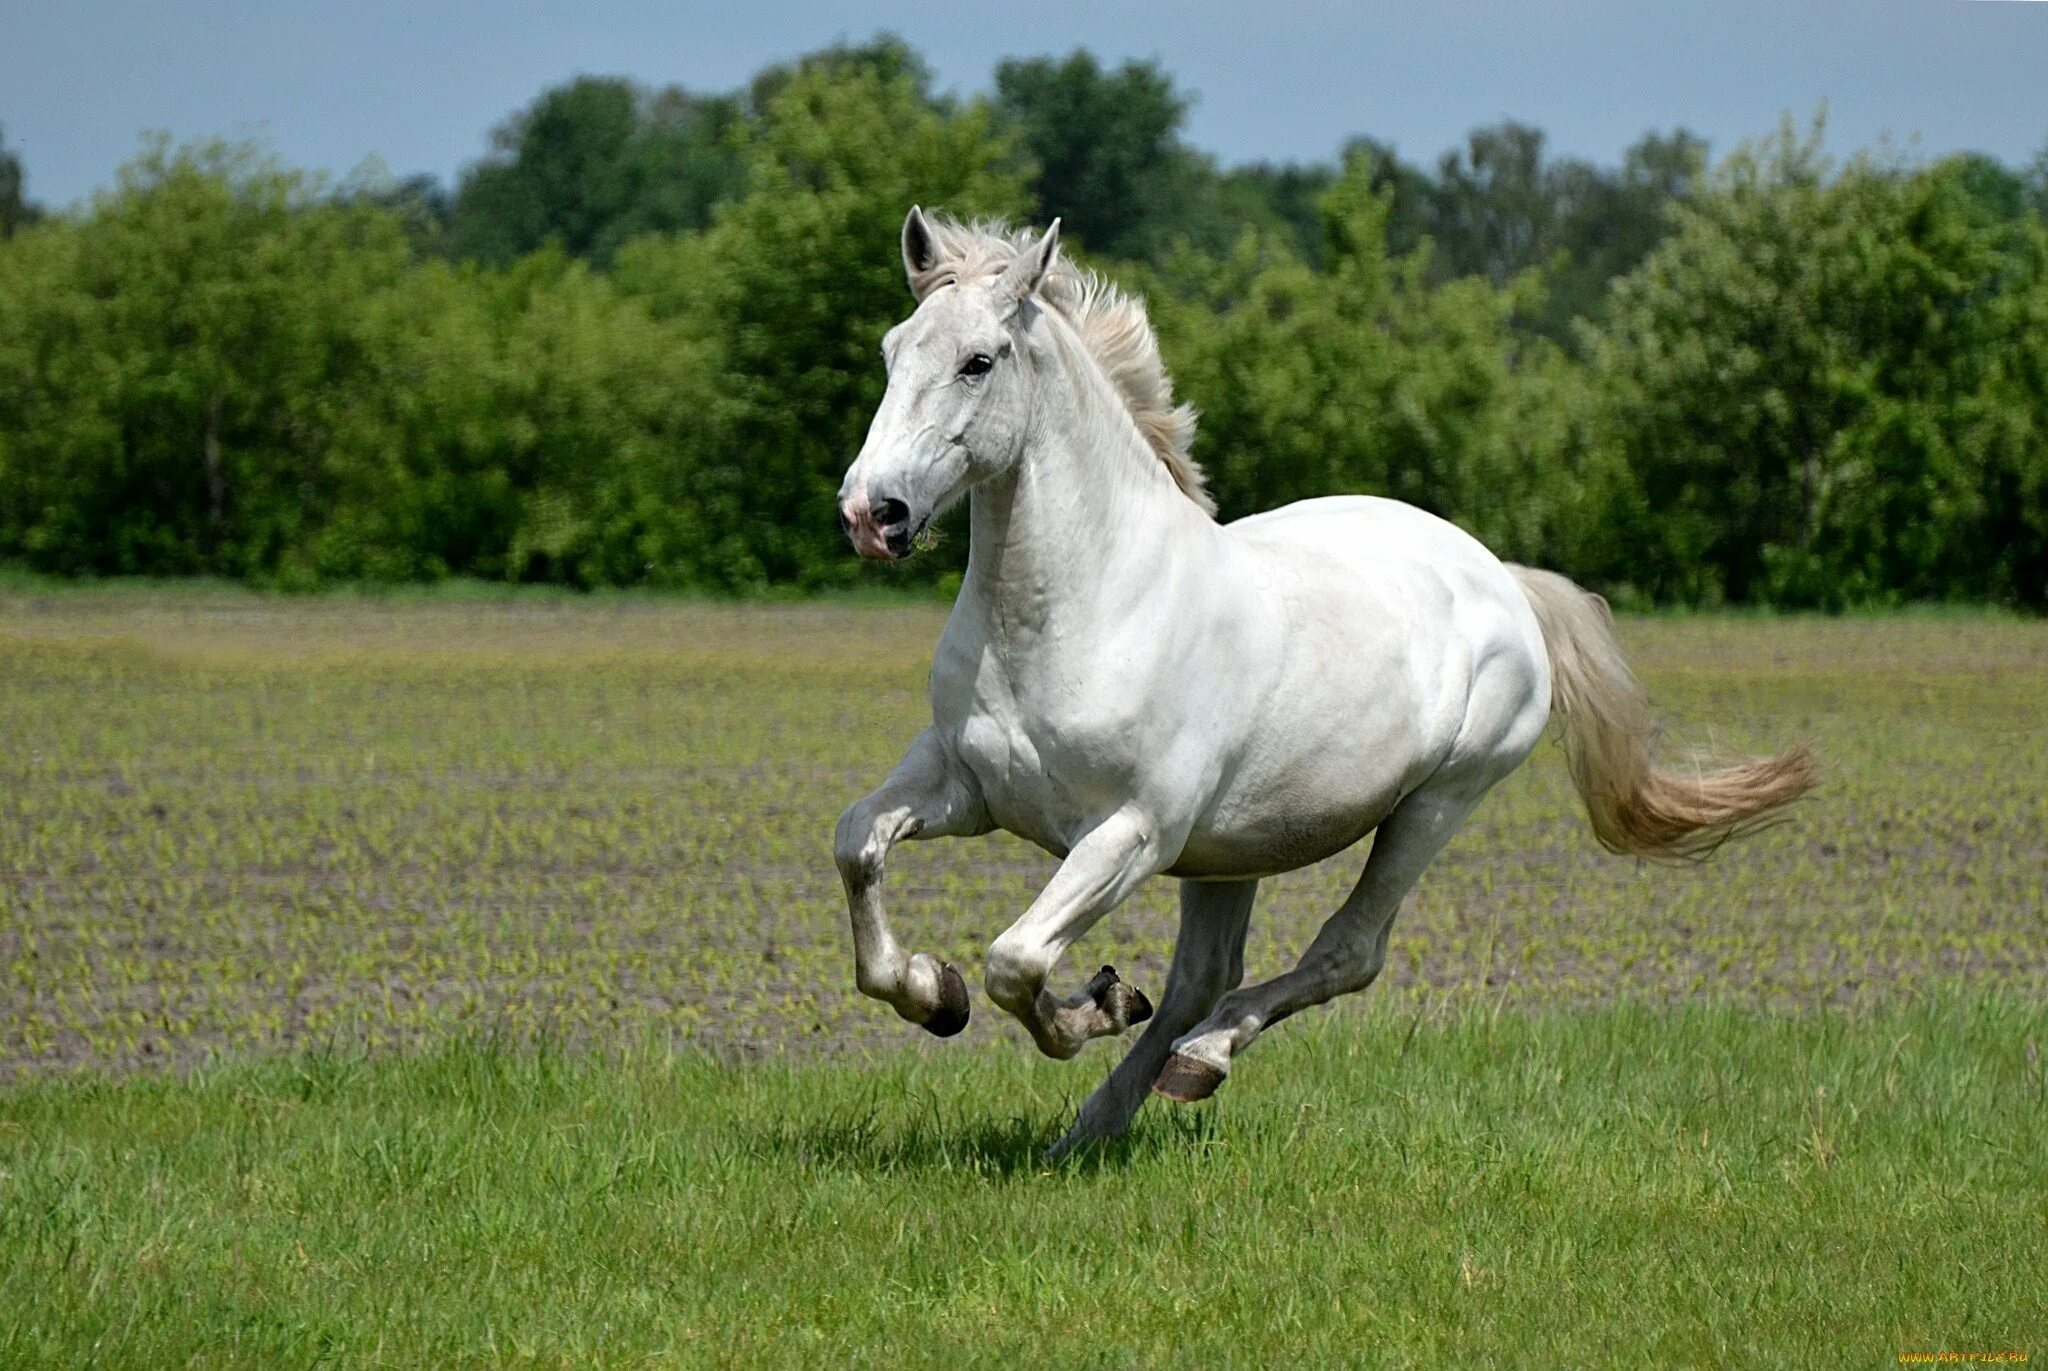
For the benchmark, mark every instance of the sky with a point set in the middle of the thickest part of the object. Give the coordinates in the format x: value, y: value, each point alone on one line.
x: 418, y: 84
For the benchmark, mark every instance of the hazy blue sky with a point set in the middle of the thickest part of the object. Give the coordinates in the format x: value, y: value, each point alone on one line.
x: 419, y: 83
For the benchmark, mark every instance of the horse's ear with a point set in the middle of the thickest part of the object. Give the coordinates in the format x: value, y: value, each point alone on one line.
x: 1022, y: 276
x: 920, y: 251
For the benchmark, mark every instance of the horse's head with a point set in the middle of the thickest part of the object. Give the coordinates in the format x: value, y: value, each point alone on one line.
x: 959, y: 397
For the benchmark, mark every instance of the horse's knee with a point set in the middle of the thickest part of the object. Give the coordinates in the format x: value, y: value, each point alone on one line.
x: 1344, y: 966
x: 1360, y: 970
x: 1016, y: 970
x: 1375, y: 962
x: 855, y: 848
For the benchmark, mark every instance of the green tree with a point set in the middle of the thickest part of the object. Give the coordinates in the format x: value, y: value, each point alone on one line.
x: 789, y: 294
x: 2000, y: 190
x: 1365, y: 377
x: 595, y: 162
x: 558, y: 173
x: 16, y: 211
x: 885, y: 58
x: 687, y: 159
x: 1500, y: 207
x: 1826, y: 388
x: 1107, y: 148
x: 1411, y: 201
x: 1275, y: 200
x: 1497, y: 204
x: 1616, y: 219
x: 174, y: 361
x: 531, y: 423
x: 2035, y: 178
x: 223, y: 369
x: 422, y: 204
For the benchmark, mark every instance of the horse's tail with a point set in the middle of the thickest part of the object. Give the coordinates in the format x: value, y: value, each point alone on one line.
x: 1638, y: 807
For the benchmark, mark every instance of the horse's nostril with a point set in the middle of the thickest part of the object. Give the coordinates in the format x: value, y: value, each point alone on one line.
x: 845, y: 524
x: 889, y: 513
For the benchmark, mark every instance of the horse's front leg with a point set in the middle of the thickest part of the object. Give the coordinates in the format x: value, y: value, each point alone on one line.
x: 1098, y: 874
x: 928, y: 795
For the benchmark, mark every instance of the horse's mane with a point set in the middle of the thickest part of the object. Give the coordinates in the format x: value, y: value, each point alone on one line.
x: 1111, y: 325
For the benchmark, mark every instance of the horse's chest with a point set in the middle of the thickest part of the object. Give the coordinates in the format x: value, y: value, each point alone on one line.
x: 1039, y: 778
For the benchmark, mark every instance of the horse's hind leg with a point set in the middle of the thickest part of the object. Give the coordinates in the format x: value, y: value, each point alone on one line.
x: 1208, y: 959
x: 1347, y: 953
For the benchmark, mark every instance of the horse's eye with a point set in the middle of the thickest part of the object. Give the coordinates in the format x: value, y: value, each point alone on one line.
x: 977, y: 365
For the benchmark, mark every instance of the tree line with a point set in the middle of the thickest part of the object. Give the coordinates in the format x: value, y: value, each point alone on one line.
x: 636, y: 344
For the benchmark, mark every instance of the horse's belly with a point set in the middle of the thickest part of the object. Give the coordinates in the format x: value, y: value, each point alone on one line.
x: 1291, y: 820
x: 1281, y: 844
x: 1035, y: 813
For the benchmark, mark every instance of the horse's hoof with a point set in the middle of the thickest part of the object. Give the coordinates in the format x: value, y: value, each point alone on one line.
x: 1185, y: 1080
x: 951, y: 1015
x: 1118, y: 998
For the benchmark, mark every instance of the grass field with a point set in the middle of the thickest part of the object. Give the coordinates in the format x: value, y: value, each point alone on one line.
x: 572, y: 857
x: 1696, y: 1187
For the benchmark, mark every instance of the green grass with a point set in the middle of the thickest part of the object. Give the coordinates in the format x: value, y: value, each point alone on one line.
x: 424, y: 980
x: 1702, y: 1187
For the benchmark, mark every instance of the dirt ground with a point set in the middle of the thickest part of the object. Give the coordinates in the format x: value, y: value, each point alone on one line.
x: 231, y: 823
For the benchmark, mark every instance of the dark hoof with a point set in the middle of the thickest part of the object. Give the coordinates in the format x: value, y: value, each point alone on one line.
x: 951, y: 1015
x: 1116, y: 997
x: 1186, y: 1080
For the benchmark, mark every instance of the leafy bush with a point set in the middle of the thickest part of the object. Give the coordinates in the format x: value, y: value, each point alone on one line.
x: 1828, y: 389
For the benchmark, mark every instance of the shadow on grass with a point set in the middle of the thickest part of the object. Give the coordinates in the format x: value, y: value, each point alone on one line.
x: 883, y: 1140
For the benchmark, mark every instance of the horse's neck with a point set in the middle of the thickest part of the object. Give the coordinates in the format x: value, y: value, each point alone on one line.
x: 1081, y: 529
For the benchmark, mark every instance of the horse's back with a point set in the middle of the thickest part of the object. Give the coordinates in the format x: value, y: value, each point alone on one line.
x: 1378, y: 539
x: 1444, y: 589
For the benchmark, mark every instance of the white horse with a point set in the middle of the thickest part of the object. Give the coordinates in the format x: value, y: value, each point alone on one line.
x: 1142, y: 691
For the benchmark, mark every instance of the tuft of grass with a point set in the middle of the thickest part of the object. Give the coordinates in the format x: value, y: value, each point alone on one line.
x: 1701, y: 1186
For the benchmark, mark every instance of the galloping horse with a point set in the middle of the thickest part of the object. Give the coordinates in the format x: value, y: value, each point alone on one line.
x: 1143, y: 691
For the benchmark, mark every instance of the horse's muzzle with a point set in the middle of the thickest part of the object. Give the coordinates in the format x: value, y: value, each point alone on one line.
x: 879, y: 531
